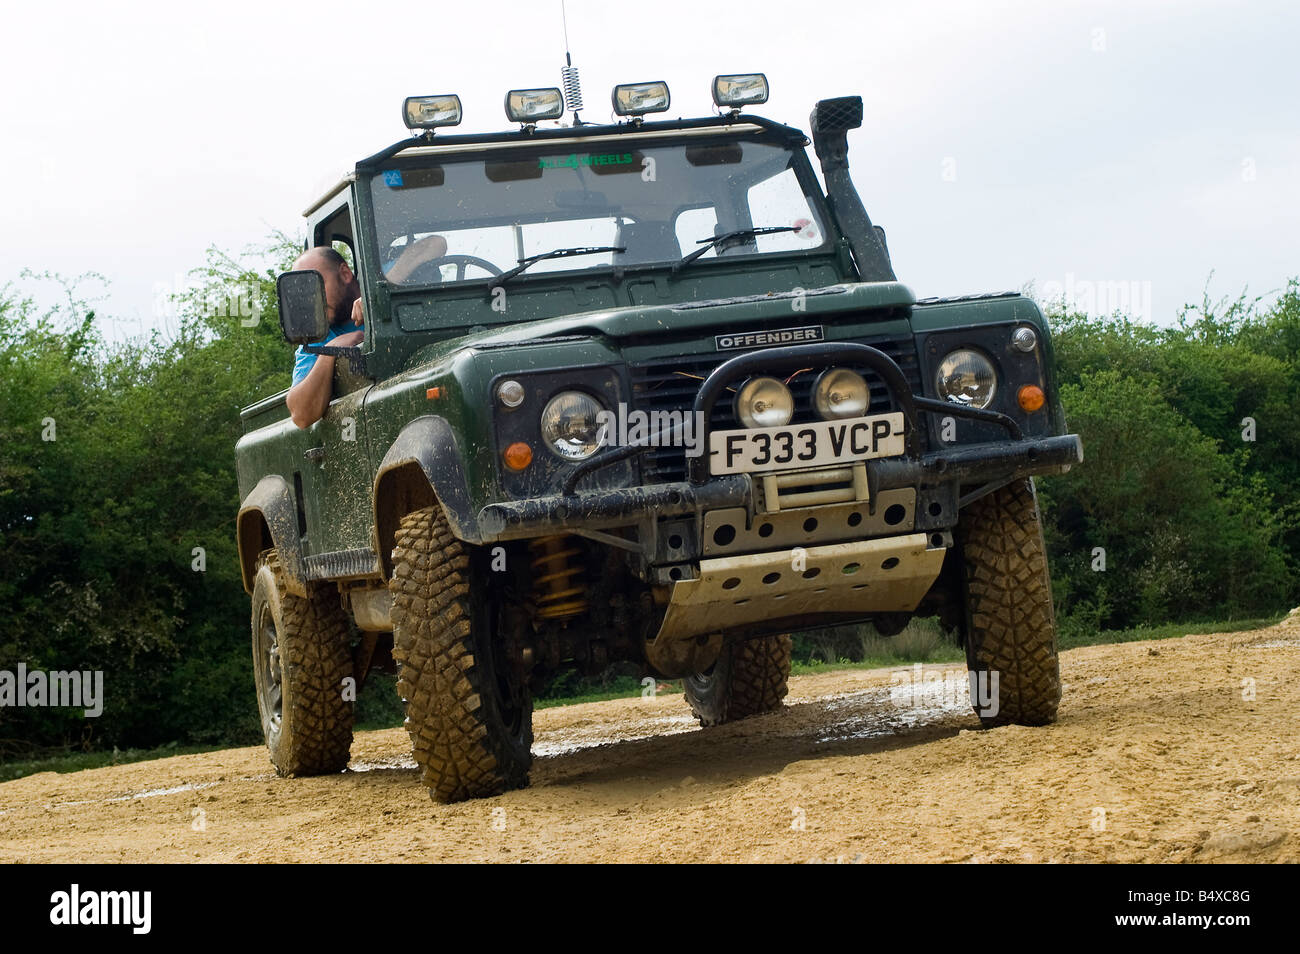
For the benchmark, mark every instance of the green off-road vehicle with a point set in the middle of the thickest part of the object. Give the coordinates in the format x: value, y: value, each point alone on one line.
x: 662, y: 401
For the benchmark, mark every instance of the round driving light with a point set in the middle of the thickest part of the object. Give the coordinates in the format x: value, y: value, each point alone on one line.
x: 764, y: 402
x: 967, y: 377
x: 510, y: 393
x: 518, y: 456
x: 1031, y: 397
x: 569, y: 425
x: 841, y: 393
x: 1024, y: 339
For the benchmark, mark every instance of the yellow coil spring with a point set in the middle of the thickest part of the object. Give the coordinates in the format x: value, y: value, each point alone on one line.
x: 556, y: 589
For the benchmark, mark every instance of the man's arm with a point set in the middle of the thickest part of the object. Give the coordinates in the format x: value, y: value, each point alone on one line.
x: 309, y: 399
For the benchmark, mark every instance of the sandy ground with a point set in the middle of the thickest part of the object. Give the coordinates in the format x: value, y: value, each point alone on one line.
x: 1160, y: 754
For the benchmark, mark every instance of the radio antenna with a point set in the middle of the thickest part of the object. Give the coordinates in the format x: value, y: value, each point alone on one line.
x: 569, y: 73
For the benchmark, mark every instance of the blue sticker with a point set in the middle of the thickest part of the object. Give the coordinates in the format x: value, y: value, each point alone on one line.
x: 393, y: 178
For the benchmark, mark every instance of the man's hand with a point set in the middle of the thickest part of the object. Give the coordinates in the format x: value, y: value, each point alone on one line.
x: 358, y: 313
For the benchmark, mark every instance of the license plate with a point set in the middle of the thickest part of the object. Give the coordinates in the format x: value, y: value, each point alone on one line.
x: 818, y: 444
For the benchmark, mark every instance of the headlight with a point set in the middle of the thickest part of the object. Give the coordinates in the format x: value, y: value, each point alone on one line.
x: 967, y: 377
x: 841, y: 393
x: 764, y: 402
x: 569, y: 425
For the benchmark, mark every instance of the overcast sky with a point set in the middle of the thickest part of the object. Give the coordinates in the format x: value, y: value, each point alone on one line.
x: 1120, y: 151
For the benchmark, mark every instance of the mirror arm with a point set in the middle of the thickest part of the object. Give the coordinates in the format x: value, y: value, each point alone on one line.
x: 356, y: 359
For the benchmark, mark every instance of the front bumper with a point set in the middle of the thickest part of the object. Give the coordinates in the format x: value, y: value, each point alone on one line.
x: 967, y: 465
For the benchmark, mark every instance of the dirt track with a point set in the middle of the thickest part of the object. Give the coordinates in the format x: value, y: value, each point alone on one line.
x: 1155, y: 735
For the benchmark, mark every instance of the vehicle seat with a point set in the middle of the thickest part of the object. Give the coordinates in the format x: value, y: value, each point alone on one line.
x: 647, y: 242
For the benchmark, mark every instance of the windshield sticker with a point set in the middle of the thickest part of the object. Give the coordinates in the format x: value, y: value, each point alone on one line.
x: 393, y: 178
x: 805, y: 229
x: 574, y: 160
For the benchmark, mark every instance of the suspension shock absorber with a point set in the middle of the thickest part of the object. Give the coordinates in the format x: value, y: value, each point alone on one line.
x: 557, y: 590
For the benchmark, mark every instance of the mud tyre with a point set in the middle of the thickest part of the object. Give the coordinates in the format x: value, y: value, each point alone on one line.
x: 301, y: 659
x: 470, y: 722
x: 1010, y: 625
x: 750, y: 677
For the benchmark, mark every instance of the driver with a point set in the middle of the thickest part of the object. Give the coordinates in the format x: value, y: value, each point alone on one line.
x: 313, y: 374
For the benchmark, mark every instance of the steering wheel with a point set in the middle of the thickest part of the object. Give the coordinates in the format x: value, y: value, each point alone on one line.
x: 430, y: 272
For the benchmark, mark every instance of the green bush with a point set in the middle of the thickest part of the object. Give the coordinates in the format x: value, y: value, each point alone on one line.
x: 98, y: 526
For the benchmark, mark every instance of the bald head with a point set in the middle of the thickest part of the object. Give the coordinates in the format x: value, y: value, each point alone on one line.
x: 320, y: 257
x: 341, y: 286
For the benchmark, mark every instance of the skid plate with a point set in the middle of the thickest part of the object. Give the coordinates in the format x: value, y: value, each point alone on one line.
x: 867, y: 576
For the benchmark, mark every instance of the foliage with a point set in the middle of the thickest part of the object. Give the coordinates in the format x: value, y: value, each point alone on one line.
x: 99, y: 525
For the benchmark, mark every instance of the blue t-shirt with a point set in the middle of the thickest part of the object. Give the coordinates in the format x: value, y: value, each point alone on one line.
x: 303, y: 360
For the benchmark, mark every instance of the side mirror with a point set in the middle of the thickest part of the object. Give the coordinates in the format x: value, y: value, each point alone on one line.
x: 302, y: 306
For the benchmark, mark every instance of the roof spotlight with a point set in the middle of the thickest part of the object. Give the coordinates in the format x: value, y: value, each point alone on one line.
x: 740, y: 89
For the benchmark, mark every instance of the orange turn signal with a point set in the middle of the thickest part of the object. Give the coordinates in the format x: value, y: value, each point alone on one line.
x: 1031, y: 397
x: 518, y: 456
x: 433, y: 393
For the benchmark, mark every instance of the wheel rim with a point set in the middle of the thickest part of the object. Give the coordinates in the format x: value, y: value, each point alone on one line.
x: 268, y: 654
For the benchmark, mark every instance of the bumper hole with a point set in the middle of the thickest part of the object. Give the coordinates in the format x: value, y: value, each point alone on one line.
x: 675, y: 573
x: 810, y: 525
x: 855, y: 518
x: 765, y: 530
x: 936, y: 508
x: 675, y: 541
x: 731, y: 584
x: 771, y: 578
x: 811, y: 572
x: 889, y: 564
x: 724, y: 535
x: 851, y: 568
x: 894, y: 514
x: 936, y: 539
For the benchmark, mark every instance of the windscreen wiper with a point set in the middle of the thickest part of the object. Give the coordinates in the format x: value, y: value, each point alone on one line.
x: 524, y: 263
x: 708, y: 243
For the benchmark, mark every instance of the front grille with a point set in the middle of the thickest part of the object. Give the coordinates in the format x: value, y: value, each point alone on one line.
x: 671, y: 384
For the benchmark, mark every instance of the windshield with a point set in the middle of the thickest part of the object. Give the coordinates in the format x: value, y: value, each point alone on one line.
x: 658, y: 202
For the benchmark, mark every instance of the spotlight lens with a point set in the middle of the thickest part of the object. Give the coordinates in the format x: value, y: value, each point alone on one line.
x: 764, y: 402
x: 841, y: 393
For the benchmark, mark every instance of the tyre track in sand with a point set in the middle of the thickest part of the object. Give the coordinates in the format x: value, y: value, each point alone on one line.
x: 1158, y: 756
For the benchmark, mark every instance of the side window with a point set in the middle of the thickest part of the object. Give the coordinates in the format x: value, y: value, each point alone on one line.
x: 344, y: 249
x: 336, y: 231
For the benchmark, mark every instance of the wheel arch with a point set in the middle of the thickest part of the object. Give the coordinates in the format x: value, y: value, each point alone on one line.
x: 423, y: 466
x: 267, y: 518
